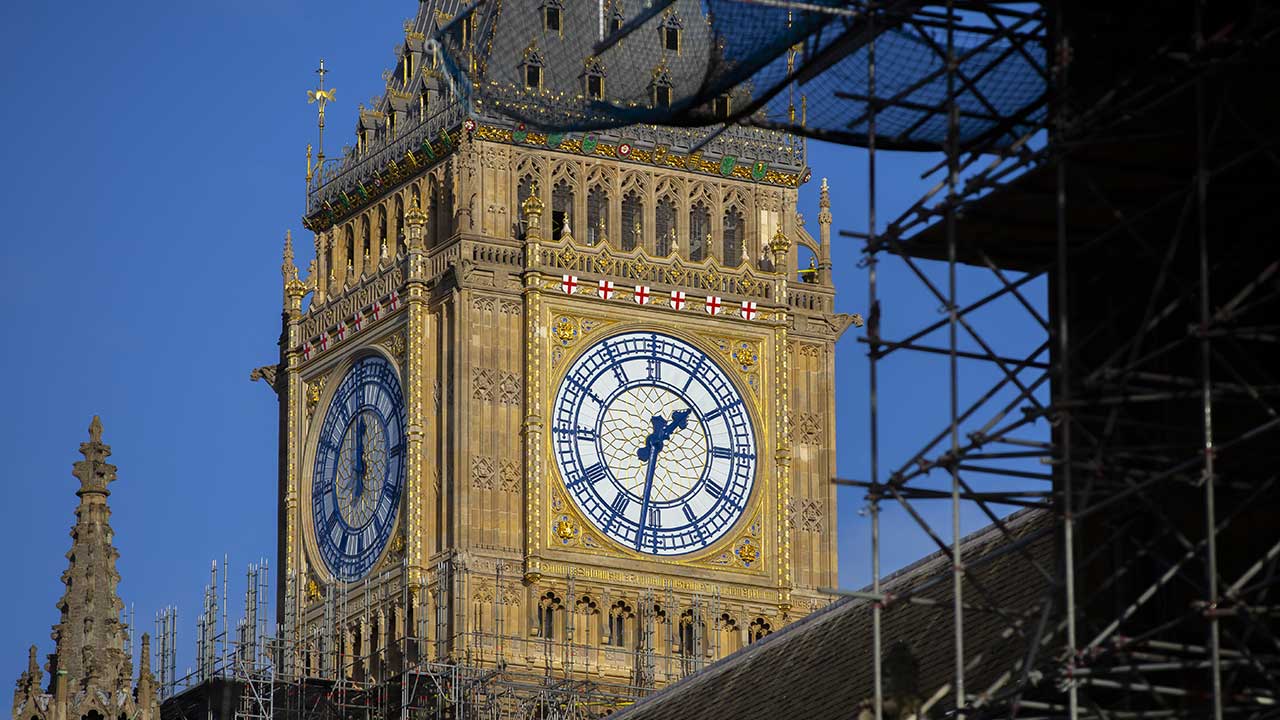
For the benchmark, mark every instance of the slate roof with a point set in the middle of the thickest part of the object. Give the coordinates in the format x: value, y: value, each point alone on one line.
x: 820, y: 666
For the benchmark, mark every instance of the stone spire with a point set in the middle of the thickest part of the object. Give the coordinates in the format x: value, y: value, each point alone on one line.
x: 824, y: 233
x: 88, y: 638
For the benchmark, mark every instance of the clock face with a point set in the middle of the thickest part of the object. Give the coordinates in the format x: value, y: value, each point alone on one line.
x: 654, y: 443
x: 359, y: 469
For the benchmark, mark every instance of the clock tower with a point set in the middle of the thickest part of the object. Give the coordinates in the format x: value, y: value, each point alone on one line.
x: 553, y: 403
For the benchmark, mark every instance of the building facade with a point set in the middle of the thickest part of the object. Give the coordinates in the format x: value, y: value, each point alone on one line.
x: 558, y: 404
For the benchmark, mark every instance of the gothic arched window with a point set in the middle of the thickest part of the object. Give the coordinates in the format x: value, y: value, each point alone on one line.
x: 351, y: 248
x: 632, y: 229
x: 734, y: 237
x: 665, y: 226
x: 597, y: 215
x: 619, y: 615
x: 397, y: 237
x: 699, y: 230
x: 548, y: 604
x: 561, y: 209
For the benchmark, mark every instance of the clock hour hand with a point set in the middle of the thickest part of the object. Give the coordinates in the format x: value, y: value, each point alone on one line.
x: 661, y: 431
x: 360, y: 464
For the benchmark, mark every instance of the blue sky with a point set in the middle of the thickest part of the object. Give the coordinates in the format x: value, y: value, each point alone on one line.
x: 155, y: 158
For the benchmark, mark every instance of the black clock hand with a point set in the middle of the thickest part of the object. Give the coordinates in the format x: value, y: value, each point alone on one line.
x: 359, y: 484
x: 652, y: 446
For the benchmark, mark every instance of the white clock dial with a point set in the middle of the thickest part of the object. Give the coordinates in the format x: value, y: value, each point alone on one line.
x: 654, y: 443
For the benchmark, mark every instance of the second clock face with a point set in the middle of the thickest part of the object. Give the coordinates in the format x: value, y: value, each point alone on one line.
x: 654, y: 443
x: 359, y: 469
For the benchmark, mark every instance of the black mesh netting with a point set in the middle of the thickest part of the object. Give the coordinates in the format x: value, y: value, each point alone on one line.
x: 755, y: 62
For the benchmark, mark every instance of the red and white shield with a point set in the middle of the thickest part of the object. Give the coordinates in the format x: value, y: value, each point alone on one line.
x: 358, y: 321
x: 377, y: 311
x: 568, y: 283
x: 394, y: 302
x: 712, y: 305
x: 342, y: 331
x: 324, y: 341
x: 605, y: 289
x: 748, y: 310
x: 642, y: 295
x: 677, y: 299
x: 306, y: 351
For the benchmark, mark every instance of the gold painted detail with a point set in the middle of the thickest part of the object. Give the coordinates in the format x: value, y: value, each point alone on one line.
x: 566, y: 329
x: 314, y: 388
x: 747, y: 551
x: 313, y: 590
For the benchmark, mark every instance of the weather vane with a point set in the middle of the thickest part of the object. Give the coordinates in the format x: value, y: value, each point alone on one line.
x: 321, y: 97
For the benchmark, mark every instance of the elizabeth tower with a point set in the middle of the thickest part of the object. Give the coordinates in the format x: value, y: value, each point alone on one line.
x: 555, y: 401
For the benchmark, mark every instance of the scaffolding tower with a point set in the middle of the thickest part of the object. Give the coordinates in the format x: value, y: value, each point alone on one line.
x: 1123, y: 156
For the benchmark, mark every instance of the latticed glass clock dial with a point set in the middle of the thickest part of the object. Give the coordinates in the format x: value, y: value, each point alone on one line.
x: 359, y: 469
x: 654, y: 443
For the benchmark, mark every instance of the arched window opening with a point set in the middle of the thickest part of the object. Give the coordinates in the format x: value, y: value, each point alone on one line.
x: 632, y: 220
x: 561, y: 209
x: 688, y: 645
x: 699, y: 231
x: 433, y: 213
x: 398, y: 237
x: 351, y: 249
x: 524, y: 189
x: 758, y: 629
x: 729, y: 638
x: 597, y: 215
x: 619, y: 615
x: 382, y: 232
x: 735, y: 237
x: 807, y: 264
x: 548, y: 604
x: 665, y: 227
x: 364, y: 242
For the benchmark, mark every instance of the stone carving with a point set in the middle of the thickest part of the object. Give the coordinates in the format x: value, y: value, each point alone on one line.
x: 510, y: 476
x: 805, y: 515
x: 482, y: 383
x: 481, y: 472
x: 509, y: 388
x: 808, y: 429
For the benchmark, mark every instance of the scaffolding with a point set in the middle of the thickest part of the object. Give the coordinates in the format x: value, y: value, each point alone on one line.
x: 414, y: 667
x: 1128, y: 163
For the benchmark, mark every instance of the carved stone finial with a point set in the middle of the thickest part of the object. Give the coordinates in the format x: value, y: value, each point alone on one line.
x: 95, y: 430
x: 416, y: 222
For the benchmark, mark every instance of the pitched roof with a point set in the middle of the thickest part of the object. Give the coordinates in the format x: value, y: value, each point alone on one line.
x: 821, y: 665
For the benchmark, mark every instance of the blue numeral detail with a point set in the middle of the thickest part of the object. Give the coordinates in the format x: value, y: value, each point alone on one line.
x: 714, y: 489
x: 722, y: 452
x: 620, y: 504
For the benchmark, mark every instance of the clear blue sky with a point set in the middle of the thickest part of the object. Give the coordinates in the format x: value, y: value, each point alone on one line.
x: 154, y: 158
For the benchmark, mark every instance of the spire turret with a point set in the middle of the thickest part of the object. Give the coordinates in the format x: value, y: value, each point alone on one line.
x: 89, y: 668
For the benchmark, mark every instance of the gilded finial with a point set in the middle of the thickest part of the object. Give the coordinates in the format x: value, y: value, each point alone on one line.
x: 415, y: 217
x: 532, y: 205
x: 780, y: 242
x: 601, y: 238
